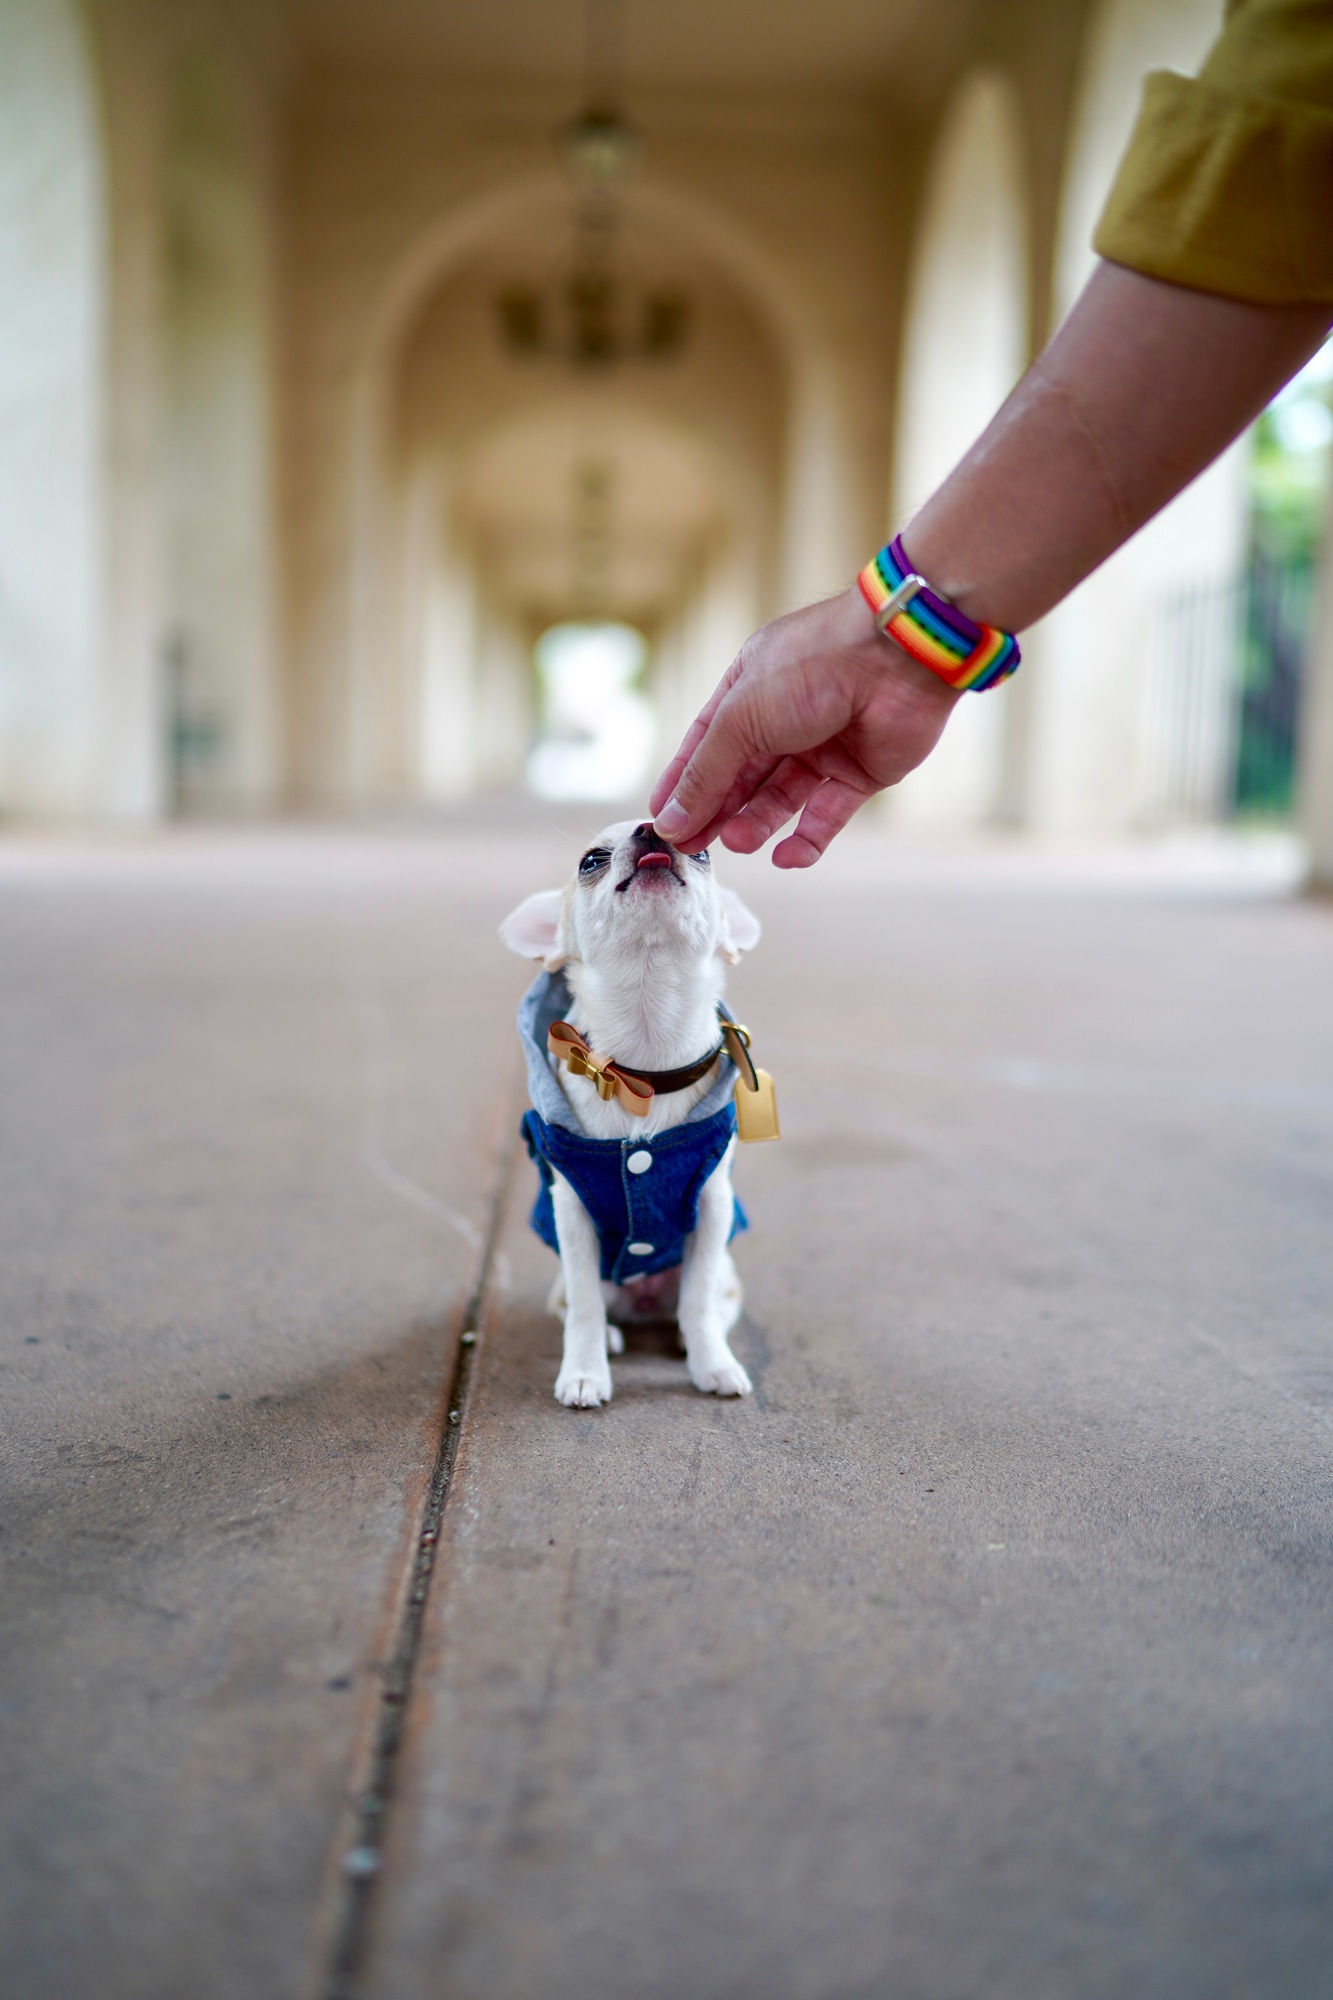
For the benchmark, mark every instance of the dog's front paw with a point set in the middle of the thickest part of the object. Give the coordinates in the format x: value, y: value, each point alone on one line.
x: 583, y: 1387
x: 721, y: 1378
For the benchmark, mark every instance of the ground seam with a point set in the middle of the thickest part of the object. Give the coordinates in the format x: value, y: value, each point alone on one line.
x: 362, y: 1857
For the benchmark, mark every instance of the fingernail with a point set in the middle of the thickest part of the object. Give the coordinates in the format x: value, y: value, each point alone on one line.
x: 671, y: 819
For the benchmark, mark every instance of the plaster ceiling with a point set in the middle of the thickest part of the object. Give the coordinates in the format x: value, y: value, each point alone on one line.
x: 691, y: 44
x: 666, y: 500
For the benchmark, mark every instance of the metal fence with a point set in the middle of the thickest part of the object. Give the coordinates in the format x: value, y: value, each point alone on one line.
x: 1279, y: 616
x: 1223, y: 694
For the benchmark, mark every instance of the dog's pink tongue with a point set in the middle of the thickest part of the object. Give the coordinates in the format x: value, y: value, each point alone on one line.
x: 654, y: 860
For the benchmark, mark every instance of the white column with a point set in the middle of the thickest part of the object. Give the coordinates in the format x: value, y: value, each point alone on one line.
x: 1121, y: 699
x: 505, y: 709
x: 219, y: 614
x: 52, y: 336
x: 965, y: 347
x: 1315, y: 785
x: 440, y: 606
x: 819, y: 540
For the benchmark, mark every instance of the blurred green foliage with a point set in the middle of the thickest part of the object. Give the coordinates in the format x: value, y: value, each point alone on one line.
x: 1289, y: 470
x: 1288, y: 481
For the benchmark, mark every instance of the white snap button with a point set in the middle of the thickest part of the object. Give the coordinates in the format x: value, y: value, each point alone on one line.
x: 640, y: 1249
x: 639, y: 1163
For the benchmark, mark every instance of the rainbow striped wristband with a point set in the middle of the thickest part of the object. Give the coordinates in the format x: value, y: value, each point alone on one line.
x: 932, y: 630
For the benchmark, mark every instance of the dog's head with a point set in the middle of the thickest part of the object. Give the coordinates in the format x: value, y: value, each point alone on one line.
x: 632, y: 893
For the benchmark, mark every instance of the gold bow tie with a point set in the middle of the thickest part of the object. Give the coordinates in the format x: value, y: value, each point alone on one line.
x: 568, y: 1045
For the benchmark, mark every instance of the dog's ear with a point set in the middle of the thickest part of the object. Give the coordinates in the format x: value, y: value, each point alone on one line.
x: 533, y: 929
x: 741, y: 929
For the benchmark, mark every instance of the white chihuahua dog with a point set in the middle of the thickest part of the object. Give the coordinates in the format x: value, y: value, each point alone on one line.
x: 627, y: 1012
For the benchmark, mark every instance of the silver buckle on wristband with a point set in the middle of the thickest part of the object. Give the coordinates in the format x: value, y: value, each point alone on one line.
x: 898, y: 601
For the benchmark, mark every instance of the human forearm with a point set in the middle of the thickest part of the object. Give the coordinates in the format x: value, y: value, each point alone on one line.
x: 1142, y: 387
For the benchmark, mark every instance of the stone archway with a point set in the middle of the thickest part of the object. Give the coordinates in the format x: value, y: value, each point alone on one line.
x: 773, y: 470
x: 584, y: 506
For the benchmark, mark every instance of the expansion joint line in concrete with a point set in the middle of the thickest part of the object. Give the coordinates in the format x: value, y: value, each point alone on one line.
x: 340, y: 1977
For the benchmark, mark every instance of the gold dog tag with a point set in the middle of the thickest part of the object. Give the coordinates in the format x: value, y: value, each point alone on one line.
x: 753, y: 1097
x: 756, y: 1102
x: 756, y: 1110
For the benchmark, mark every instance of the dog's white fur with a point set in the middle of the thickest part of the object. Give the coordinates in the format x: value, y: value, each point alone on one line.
x: 644, y: 951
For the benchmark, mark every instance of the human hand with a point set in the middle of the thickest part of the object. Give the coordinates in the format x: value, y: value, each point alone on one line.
x: 816, y: 714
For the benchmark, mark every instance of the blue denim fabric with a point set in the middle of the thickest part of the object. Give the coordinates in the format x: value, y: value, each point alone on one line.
x: 658, y: 1207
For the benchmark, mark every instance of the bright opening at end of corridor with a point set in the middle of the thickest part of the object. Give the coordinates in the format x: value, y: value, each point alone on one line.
x: 598, y: 729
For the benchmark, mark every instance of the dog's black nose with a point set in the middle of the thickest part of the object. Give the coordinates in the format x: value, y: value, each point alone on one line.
x: 648, y: 840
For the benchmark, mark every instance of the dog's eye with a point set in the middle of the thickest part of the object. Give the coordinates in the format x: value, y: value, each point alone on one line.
x: 594, y: 860
x: 703, y: 857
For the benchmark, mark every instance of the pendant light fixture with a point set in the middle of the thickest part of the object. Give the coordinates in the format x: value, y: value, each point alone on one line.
x: 588, y: 319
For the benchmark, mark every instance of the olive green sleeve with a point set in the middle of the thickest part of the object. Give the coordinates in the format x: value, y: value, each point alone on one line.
x: 1227, y: 185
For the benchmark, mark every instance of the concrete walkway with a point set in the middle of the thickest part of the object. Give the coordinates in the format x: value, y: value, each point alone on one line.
x: 987, y: 1651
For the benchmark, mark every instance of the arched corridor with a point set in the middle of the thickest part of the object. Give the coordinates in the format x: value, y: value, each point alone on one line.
x: 313, y: 484
x: 405, y: 412
x: 715, y: 460
x: 524, y: 488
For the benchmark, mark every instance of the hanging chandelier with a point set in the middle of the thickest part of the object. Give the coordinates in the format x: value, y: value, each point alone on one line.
x: 590, y: 318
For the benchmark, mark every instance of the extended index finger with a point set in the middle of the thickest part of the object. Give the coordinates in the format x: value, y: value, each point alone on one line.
x: 753, y: 775
x: 720, y: 773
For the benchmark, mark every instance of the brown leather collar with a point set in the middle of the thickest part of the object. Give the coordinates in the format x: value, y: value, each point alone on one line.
x: 735, y: 1042
x: 635, y: 1089
x: 667, y: 1080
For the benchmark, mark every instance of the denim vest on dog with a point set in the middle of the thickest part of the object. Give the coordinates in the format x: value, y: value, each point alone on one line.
x: 642, y: 1194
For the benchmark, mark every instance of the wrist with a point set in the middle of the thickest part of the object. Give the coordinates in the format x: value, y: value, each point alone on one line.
x: 877, y: 654
x: 964, y: 653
